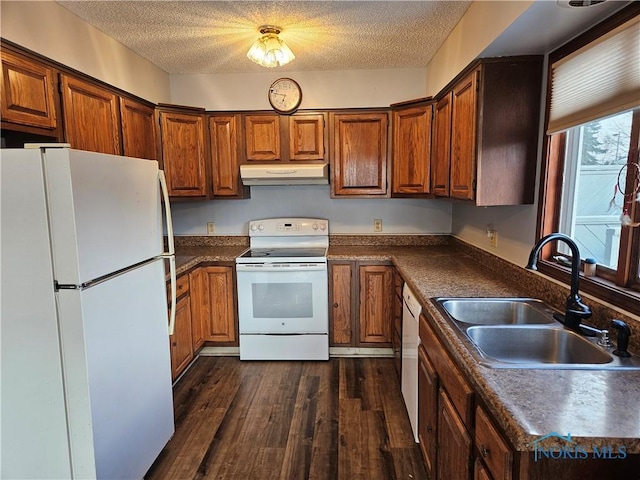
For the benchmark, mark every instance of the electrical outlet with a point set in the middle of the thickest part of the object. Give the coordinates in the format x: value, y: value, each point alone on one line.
x: 494, y: 238
x: 377, y: 225
x: 211, y: 228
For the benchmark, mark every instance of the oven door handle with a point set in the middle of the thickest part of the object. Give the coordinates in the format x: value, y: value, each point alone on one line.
x: 280, y: 267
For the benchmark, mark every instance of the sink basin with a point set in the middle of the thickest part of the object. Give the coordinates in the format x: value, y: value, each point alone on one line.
x: 497, y: 311
x: 536, y: 345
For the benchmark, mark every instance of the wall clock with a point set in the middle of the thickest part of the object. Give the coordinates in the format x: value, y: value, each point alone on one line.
x: 285, y: 95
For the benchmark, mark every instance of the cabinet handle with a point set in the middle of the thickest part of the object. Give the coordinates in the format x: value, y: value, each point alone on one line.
x: 484, y: 451
x: 429, y: 428
x: 335, y: 305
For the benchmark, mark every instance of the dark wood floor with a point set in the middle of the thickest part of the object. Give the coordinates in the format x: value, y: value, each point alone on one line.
x: 341, y: 419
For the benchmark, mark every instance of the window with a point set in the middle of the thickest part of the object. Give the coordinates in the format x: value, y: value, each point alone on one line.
x: 591, y: 182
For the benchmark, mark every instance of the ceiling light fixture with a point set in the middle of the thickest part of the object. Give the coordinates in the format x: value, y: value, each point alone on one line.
x: 269, y: 51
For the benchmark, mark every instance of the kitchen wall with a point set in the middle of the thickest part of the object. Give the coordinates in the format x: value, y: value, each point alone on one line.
x: 516, y: 226
x: 53, y: 31
x: 347, y: 216
x: 322, y: 90
x: 482, y: 23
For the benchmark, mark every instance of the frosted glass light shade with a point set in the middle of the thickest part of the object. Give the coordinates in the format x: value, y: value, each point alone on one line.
x: 269, y: 51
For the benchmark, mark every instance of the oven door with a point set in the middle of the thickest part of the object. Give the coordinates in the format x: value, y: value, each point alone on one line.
x: 282, y: 298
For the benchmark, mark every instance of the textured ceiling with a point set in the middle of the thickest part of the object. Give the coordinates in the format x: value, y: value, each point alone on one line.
x: 214, y: 36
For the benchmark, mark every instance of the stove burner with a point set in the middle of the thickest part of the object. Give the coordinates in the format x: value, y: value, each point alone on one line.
x: 285, y: 252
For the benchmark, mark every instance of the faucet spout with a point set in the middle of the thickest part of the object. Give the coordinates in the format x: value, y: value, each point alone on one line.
x: 575, y: 310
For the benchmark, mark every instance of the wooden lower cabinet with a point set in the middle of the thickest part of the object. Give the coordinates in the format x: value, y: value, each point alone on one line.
x: 199, y: 309
x: 341, y: 296
x: 181, y: 344
x: 479, y: 472
x: 428, y: 410
x: 493, y: 449
x: 396, y: 328
x: 454, y: 443
x: 460, y: 440
x: 376, y: 304
x: 213, y: 303
x: 361, y: 300
x: 445, y: 410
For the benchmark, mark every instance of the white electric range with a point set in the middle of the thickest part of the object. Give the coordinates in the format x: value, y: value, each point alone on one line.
x: 283, y: 290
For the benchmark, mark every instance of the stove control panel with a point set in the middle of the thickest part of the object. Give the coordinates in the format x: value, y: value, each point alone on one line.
x: 288, y: 227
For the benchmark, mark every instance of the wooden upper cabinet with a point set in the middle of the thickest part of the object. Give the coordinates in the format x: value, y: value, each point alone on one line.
x: 183, y: 153
x: 262, y: 137
x: 138, y: 130
x: 225, y: 160
x: 285, y: 138
x: 91, y: 116
x: 463, y: 137
x: 28, y: 94
x: 376, y: 303
x: 307, y: 137
x: 412, y: 150
x: 359, y: 154
x: 495, y: 115
x: 441, y: 147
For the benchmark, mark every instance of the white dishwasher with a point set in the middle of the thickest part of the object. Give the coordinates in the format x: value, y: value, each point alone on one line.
x: 410, y: 341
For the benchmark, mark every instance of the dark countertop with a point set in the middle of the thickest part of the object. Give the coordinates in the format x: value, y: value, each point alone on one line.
x: 597, y: 408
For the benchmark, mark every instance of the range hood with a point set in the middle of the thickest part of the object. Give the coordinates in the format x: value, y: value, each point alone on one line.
x: 285, y: 174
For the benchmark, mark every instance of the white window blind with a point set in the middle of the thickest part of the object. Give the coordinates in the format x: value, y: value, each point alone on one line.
x: 600, y: 79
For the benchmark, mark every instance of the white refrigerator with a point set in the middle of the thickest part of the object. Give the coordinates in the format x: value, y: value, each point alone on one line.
x: 84, y: 335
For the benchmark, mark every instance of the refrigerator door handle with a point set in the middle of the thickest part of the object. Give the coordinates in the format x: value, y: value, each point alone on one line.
x: 172, y: 312
x: 167, y: 210
x: 170, y: 254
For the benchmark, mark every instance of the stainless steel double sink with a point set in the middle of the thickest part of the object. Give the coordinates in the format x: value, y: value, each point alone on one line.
x: 522, y: 333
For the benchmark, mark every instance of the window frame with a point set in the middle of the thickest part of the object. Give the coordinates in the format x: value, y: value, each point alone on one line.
x: 623, y: 287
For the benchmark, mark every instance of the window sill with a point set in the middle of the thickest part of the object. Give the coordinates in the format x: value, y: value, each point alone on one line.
x: 605, y: 290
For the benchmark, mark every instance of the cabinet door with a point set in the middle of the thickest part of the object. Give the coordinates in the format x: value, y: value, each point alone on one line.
x: 138, y: 130
x: 427, y: 410
x: 454, y: 443
x: 359, y: 157
x: 28, y: 95
x: 199, y: 306
x: 412, y: 150
x: 495, y: 451
x: 91, y: 117
x: 463, y: 137
x: 181, y: 348
x: 341, y: 301
x: 225, y: 165
x: 376, y: 303
x: 441, y: 153
x: 220, y: 326
x: 306, y: 137
x: 479, y: 472
x: 262, y: 137
x: 183, y: 154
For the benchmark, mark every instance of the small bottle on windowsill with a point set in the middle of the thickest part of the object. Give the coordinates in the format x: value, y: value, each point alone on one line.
x: 589, y: 267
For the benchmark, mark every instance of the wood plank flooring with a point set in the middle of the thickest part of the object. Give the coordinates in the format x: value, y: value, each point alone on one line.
x: 341, y: 419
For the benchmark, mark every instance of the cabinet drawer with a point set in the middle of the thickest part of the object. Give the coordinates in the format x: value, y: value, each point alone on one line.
x: 494, y: 451
x: 182, y: 287
x: 451, y: 378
